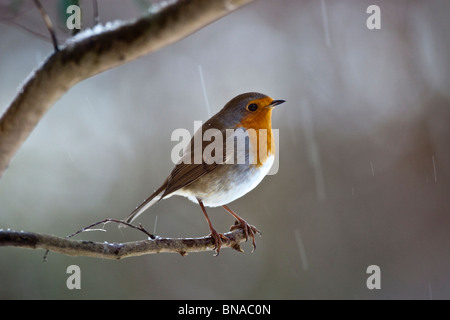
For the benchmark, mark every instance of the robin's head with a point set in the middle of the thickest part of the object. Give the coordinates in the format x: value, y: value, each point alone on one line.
x: 249, y: 110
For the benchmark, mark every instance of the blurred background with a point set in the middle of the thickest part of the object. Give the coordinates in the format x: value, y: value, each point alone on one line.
x: 364, y: 161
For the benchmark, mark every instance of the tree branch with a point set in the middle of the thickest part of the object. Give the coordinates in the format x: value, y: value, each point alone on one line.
x: 97, y: 50
x: 116, y: 251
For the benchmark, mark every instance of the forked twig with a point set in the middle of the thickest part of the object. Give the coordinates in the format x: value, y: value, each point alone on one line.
x: 48, y: 24
x: 104, y: 222
x: 120, y: 222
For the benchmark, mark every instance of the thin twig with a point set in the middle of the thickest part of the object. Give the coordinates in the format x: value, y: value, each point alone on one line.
x: 95, y: 9
x: 120, y: 222
x: 104, y: 222
x: 27, y: 29
x: 48, y: 24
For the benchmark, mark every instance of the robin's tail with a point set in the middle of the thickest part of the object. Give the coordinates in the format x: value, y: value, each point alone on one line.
x: 155, y: 197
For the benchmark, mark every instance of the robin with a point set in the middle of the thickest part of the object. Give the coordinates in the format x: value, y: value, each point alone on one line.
x: 236, y: 169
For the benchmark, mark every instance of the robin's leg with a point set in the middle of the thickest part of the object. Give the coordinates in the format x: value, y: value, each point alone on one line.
x: 216, y: 236
x: 241, y: 223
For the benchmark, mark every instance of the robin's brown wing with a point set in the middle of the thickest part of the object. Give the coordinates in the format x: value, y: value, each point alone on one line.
x: 182, y: 175
x: 192, y: 165
x: 188, y: 170
x: 214, y: 153
x: 185, y: 174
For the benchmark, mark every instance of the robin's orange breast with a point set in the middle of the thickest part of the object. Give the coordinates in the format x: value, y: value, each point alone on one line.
x: 262, y: 143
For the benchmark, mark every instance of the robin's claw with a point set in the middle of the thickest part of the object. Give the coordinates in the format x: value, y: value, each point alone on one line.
x: 217, y: 238
x: 248, y: 230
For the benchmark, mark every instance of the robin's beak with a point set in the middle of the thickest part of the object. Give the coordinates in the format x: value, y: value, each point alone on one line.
x: 275, y: 103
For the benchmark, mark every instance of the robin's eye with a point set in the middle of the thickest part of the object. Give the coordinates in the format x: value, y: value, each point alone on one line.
x: 252, y: 107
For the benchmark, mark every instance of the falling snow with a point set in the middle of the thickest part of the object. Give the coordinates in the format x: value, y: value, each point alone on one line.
x: 205, y: 95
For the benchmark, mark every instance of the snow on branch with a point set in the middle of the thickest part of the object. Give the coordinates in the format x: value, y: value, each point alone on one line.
x: 93, y: 52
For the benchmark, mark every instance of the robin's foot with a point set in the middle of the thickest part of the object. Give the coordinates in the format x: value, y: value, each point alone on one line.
x: 248, y: 230
x: 217, y: 238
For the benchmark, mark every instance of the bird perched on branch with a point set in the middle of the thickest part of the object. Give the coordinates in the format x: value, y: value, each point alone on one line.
x: 218, y: 171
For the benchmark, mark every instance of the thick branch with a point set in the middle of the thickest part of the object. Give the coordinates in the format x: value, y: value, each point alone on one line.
x: 115, y: 251
x: 98, y: 51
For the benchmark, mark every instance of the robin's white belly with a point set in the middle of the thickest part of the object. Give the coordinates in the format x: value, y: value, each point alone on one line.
x: 227, y: 195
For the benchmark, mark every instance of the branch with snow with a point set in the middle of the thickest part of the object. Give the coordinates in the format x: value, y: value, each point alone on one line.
x: 95, y: 51
x: 116, y: 251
